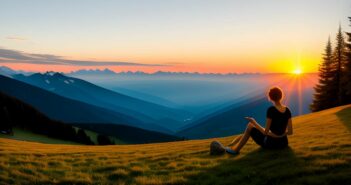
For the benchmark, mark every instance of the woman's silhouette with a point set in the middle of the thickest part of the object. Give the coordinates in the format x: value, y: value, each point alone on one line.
x: 278, y: 126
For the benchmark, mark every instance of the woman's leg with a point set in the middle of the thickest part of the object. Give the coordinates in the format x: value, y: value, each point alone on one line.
x: 259, y: 127
x: 235, y: 141
x: 244, y: 138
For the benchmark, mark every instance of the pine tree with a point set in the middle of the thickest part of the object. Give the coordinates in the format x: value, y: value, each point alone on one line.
x: 338, y: 64
x: 325, y: 89
x: 347, y: 72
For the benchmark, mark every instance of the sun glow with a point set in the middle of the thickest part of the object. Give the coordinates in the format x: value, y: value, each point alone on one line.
x: 297, y: 71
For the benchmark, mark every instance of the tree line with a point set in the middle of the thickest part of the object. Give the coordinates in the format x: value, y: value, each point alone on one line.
x: 334, y: 85
x: 15, y: 113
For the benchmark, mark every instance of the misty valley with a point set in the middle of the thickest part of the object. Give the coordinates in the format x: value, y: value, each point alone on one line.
x: 161, y: 106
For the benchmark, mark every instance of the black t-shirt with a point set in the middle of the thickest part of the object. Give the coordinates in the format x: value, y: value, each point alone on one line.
x: 279, y: 119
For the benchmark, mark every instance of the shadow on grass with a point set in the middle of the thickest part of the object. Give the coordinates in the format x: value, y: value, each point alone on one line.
x: 345, y: 116
x: 257, y: 167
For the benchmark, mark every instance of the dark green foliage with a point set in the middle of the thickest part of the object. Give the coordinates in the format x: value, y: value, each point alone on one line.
x: 104, y: 140
x: 127, y: 133
x: 6, y: 125
x: 326, y: 88
x: 83, y: 137
x: 334, y: 87
x: 346, y: 80
x: 15, y: 113
x: 338, y: 65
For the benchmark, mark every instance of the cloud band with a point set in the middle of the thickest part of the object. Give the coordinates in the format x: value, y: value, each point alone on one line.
x: 13, y: 56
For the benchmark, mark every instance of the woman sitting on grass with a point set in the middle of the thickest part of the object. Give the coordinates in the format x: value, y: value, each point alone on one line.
x: 278, y: 126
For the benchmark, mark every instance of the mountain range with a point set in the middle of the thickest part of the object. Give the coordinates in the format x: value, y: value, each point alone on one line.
x: 87, y: 92
x: 92, y: 72
x: 77, y: 101
x: 68, y: 110
x: 167, y: 73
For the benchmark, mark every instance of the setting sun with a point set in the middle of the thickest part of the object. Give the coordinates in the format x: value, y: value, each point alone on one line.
x: 297, y: 71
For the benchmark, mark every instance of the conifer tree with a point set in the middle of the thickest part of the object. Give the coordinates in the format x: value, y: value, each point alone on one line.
x: 347, y: 71
x: 325, y: 89
x: 338, y: 64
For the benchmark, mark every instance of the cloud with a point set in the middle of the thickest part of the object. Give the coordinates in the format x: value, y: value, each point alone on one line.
x: 13, y: 56
x: 17, y: 38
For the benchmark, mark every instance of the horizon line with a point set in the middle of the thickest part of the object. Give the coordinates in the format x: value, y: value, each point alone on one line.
x: 139, y: 72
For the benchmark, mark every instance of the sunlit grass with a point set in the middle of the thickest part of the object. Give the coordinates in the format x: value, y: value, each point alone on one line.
x: 320, y: 153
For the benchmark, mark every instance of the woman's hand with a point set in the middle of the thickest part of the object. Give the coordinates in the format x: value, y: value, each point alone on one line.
x: 251, y: 119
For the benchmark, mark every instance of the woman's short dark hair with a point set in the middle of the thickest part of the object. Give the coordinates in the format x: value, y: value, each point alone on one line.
x: 275, y: 94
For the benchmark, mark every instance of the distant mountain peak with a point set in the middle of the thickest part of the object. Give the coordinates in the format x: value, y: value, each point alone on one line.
x: 49, y: 73
x: 105, y: 71
x: 53, y: 73
x: 7, y: 71
x: 6, y: 68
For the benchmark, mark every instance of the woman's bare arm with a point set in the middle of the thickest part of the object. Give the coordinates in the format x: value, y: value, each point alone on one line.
x: 275, y: 135
x: 289, y: 130
x: 268, y: 126
x: 266, y: 130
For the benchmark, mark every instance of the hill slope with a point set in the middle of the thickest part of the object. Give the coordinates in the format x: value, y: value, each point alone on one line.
x: 65, y: 109
x: 226, y: 122
x: 128, y: 134
x: 17, y: 114
x: 230, y: 120
x: 26, y: 135
x: 32, y: 125
x: 320, y: 153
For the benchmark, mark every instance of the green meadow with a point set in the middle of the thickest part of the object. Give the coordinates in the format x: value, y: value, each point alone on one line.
x: 319, y: 153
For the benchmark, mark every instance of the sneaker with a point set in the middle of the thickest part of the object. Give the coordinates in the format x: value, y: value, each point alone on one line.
x: 231, y: 151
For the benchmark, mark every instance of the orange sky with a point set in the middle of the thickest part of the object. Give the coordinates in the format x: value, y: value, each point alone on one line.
x: 233, y: 64
x: 195, y: 36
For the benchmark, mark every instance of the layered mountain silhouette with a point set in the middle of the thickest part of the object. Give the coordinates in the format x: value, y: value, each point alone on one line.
x: 87, y: 92
x: 15, y: 113
x: 225, y: 122
x: 68, y: 110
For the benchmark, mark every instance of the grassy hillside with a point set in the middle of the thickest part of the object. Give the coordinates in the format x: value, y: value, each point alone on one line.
x: 319, y: 153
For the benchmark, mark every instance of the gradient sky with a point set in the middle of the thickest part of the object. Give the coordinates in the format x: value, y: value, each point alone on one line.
x: 176, y: 35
